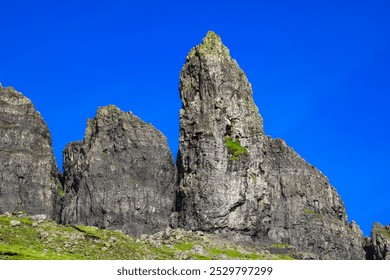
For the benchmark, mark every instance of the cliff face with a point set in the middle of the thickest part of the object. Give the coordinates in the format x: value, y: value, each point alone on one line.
x: 120, y: 177
x: 235, y: 180
x: 378, y: 246
x: 29, y: 177
x: 230, y: 177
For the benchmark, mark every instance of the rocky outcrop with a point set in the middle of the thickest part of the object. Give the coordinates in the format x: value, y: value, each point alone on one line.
x: 378, y: 246
x: 235, y: 180
x: 29, y: 177
x: 120, y: 177
x: 230, y: 179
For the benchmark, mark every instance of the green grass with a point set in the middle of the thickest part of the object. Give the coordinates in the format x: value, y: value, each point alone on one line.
x: 216, y: 251
x: 384, y: 232
x: 283, y: 257
x: 235, y: 148
x: 310, y: 212
x: 47, y: 240
x: 184, y: 246
x: 234, y: 254
x: 60, y: 192
x: 51, y: 241
x: 242, y: 254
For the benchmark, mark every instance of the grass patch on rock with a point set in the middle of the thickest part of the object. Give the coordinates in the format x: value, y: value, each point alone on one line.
x: 235, y: 148
x: 311, y: 212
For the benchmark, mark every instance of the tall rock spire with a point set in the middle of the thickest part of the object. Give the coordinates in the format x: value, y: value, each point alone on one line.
x: 235, y: 180
x: 210, y: 82
x: 29, y: 177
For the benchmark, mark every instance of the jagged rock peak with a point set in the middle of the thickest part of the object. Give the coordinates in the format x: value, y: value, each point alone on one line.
x: 213, y: 85
x: 15, y: 97
x: 211, y: 46
x: 378, y: 246
x: 121, y: 176
x: 29, y: 177
x: 235, y: 180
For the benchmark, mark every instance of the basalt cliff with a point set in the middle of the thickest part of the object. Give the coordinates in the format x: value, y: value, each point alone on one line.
x: 121, y: 176
x: 230, y: 178
x: 29, y: 177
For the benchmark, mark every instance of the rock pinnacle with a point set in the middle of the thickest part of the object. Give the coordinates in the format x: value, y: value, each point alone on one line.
x: 235, y: 180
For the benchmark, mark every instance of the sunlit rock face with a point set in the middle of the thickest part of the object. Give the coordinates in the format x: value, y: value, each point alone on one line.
x: 235, y: 180
x: 121, y: 176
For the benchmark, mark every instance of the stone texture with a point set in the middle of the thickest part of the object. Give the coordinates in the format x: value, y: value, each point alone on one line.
x: 120, y: 177
x: 235, y: 180
x: 378, y: 246
x: 29, y: 177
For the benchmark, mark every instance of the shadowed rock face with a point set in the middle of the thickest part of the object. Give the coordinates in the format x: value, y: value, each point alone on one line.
x: 29, y: 177
x: 235, y: 180
x: 120, y: 177
x: 378, y: 246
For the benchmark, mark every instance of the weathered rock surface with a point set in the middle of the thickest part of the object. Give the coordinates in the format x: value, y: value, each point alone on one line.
x: 235, y: 180
x: 378, y: 246
x: 29, y: 177
x: 121, y: 176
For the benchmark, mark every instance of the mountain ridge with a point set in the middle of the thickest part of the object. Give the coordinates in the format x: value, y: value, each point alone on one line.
x: 232, y: 179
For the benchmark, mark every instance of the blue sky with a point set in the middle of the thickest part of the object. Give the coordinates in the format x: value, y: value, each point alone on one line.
x: 319, y: 71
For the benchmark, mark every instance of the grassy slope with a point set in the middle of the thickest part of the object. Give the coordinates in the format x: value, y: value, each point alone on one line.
x: 46, y: 240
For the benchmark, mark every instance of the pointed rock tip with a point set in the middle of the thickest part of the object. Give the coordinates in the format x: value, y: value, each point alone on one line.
x: 13, y: 96
x: 211, y: 45
x: 106, y: 110
x: 112, y: 110
x: 377, y: 225
x: 212, y: 39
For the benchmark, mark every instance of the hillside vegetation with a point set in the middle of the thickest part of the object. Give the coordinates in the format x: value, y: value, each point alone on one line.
x: 24, y: 237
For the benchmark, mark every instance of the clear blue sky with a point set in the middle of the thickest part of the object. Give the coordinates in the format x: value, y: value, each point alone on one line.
x: 319, y: 71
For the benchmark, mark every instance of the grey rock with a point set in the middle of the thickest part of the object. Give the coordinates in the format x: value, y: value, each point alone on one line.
x: 44, y: 235
x: 29, y: 177
x: 235, y: 180
x: 304, y: 256
x: 121, y: 176
x: 198, y: 249
x: 39, y: 218
x: 222, y: 257
x: 15, y: 223
x: 21, y: 214
x: 8, y: 214
x: 378, y: 246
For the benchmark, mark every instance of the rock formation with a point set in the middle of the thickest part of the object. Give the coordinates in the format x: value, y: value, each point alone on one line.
x: 378, y: 246
x: 231, y: 178
x: 29, y: 177
x: 235, y: 180
x: 120, y: 177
